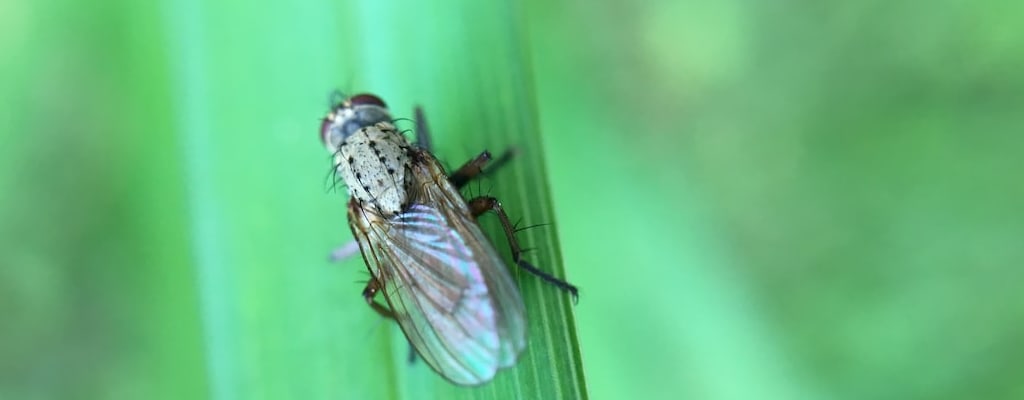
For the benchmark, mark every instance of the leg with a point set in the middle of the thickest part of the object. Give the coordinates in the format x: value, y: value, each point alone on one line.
x: 372, y: 287
x: 475, y: 167
x: 469, y: 170
x: 483, y: 204
x: 422, y: 130
x: 344, y: 251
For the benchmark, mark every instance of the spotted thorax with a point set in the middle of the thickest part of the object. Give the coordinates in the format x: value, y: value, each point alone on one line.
x: 370, y: 155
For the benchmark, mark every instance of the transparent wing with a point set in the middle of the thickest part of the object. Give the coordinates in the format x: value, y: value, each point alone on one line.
x: 450, y: 292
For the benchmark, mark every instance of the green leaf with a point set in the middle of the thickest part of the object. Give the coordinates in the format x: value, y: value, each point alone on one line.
x: 278, y: 320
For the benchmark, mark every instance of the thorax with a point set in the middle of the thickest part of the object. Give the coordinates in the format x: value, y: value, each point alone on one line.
x: 374, y: 163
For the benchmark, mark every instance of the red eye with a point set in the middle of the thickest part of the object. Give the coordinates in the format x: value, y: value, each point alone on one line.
x: 325, y: 129
x: 366, y: 99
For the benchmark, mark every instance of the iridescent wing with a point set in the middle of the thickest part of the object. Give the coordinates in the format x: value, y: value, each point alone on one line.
x: 449, y: 290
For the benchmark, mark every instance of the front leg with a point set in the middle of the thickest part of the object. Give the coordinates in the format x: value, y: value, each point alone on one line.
x: 475, y: 167
x: 469, y: 170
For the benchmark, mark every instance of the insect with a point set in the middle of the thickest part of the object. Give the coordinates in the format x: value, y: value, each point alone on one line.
x: 441, y: 279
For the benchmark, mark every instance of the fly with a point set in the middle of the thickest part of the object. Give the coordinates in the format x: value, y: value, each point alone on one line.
x: 442, y: 280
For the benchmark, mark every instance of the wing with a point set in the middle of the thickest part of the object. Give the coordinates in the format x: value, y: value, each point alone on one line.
x: 449, y: 290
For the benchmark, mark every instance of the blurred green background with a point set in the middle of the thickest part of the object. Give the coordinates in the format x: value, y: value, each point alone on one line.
x: 758, y: 199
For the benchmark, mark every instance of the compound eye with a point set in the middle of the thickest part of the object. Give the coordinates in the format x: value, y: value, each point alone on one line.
x: 325, y: 130
x: 366, y: 99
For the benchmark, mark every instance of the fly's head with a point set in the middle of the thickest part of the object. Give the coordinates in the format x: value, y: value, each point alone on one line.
x: 350, y: 115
